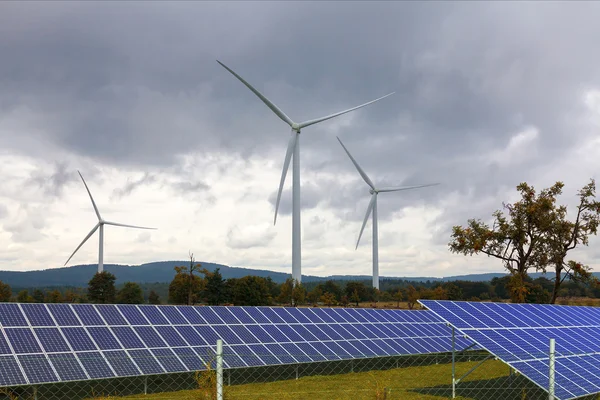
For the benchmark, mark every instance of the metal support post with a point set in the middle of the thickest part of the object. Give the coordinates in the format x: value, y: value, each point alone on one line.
x: 219, y: 369
x: 551, y: 371
x: 453, y: 366
x: 297, y: 367
x: 146, y: 384
x: 35, y: 397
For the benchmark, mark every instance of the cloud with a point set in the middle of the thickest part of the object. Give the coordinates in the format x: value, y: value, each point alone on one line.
x: 250, y: 236
x: 132, y: 184
x: 52, y: 182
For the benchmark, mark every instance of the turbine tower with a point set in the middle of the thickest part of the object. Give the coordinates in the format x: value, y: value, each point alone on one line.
x: 293, y: 149
x: 372, y: 207
x: 100, y: 224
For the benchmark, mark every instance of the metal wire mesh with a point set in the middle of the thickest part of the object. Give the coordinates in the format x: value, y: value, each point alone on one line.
x: 477, y: 376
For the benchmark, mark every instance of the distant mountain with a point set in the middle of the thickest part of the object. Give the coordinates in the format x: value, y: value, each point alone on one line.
x: 162, y: 271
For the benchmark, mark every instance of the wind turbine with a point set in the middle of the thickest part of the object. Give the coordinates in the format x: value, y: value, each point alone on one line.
x: 100, y: 224
x: 372, y: 207
x: 294, y: 149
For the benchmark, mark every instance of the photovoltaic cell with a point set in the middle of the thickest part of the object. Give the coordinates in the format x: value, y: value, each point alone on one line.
x: 79, y: 339
x: 104, y: 338
x: 189, y: 358
x: 225, y: 315
x: 146, y: 361
x: 4, y: 348
x: 133, y: 315
x: 111, y: 315
x: 121, y: 363
x: 51, y: 340
x: 38, y: 315
x: 10, y: 315
x: 10, y: 373
x: 37, y: 368
x: 67, y: 367
x: 95, y: 365
x: 153, y: 314
x: 149, y: 336
x: 173, y: 315
x: 242, y: 315
x: 22, y: 340
x: 209, y: 315
x: 168, y: 360
x: 87, y: 314
x: 63, y: 314
x: 127, y: 337
x: 192, y: 316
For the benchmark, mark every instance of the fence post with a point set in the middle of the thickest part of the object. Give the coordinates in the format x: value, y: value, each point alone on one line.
x: 453, y: 366
x: 551, y: 371
x: 219, y: 369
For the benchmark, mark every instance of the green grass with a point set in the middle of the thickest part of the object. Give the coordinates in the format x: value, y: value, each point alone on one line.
x: 431, y: 382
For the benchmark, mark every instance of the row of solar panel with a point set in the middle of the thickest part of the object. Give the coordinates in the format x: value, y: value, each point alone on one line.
x: 467, y: 315
x: 71, y: 366
x: 14, y: 314
x: 56, y: 340
x: 519, y: 334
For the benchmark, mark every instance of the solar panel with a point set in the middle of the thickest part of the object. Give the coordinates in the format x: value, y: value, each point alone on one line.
x: 519, y: 335
x: 43, y: 343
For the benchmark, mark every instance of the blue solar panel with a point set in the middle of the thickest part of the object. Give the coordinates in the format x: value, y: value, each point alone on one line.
x: 154, y: 315
x: 146, y: 361
x: 173, y: 315
x: 149, y: 336
x: 226, y: 334
x: 121, y: 363
x: 189, y: 358
x: 51, y: 340
x: 96, y: 365
x: 519, y: 334
x: 248, y: 355
x: 170, y: 335
x: 104, y: 338
x: 10, y: 315
x: 225, y: 315
x: 168, y: 360
x: 37, y: 314
x: 191, y: 336
x: 132, y: 314
x: 10, y: 373
x: 4, y: 347
x: 67, y: 367
x: 63, y: 314
x: 242, y: 315
x: 209, y: 315
x: 37, y: 368
x: 22, y: 340
x: 192, y: 316
x: 111, y: 315
x: 128, y: 338
x: 79, y: 339
x: 87, y: 314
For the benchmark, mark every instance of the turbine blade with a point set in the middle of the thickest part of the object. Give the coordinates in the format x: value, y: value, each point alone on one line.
x: 91, y: 198
x: 369, y: 209
x: 267, y: 102
x: 126, y: 226
x: 397, y: 189
x: 286, y: 163
x: 315, y: 121
x: 358, y: 168
x: 84, y: 240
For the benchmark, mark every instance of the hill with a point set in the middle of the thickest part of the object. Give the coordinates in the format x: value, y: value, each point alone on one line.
x: 162, y: 271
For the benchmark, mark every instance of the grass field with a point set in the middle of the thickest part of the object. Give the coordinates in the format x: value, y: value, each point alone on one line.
x: 489, y: 382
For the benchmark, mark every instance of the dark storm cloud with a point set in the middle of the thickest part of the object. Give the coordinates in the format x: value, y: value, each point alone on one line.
x: 138, y: 84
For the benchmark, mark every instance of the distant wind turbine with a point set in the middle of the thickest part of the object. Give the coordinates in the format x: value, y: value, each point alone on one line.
x: 373, y: 208
x: 100, y: 225
x: 294, y: 149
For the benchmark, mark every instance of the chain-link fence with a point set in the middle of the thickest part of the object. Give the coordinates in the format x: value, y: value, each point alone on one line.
x: 476, y: 375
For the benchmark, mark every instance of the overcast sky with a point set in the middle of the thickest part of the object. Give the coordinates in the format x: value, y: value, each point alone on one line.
x: 487, y: 95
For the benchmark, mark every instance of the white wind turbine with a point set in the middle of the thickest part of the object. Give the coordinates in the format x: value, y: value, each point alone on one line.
x: 294, y: 149
x: 100, y: 224
x: 373, y: 208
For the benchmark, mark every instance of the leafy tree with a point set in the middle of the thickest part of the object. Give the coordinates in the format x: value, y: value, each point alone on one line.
x: 328, y: 299
x: 71, y: 297
x: 53, y: 296
x: 453, y: 292
x: 344, y: 301
x: 355, y: 297
x: 398, y: 297
x: 5, y: 292
x: 215, y: 290
x: 251, y: 291
x: 285, y: 292
x: 315, y: 295
x: 153, y: 298
x: 38, y: 296
x: 130, y: 293
x: 517, y: 239
x: 186, y: 287
x: 101, y: 288
x: 331, y: 287
x: 356, y: 291
x: 298, y: 294
x: 412, y: 295
x: 565, y: 235
x: 24, y: 297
